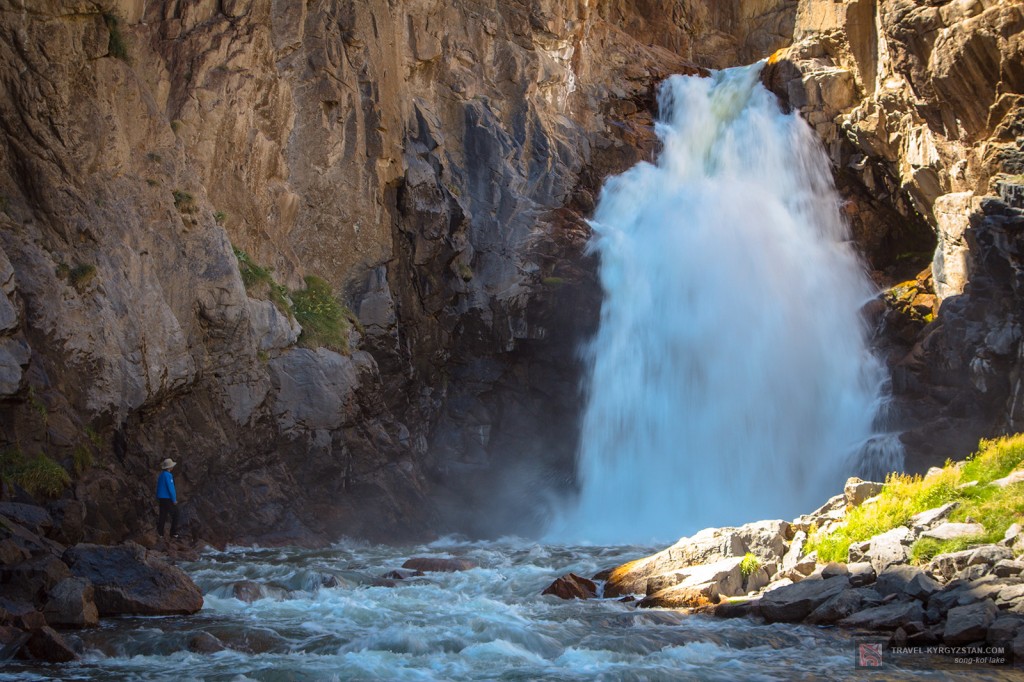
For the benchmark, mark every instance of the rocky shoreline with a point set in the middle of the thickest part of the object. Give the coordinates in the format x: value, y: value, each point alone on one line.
x: 765, y: 571
x: 53, y: 584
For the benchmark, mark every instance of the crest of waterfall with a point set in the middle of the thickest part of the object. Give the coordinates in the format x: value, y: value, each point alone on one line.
x: 730, y: 379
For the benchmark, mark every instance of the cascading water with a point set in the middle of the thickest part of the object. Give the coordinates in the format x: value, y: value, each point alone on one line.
x: 730, y: 378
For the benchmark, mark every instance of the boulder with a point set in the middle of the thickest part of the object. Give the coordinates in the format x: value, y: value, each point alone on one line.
x: 1009, y: 596
x: 766, y: 539
x: 1015, y: 476
x: 68, y: 521
x: 250, y: 591
x: 946, y: 566
x: 1007, y: 567
x: 857, y: 491
x: 989, y: 554
x: 861, y: 573
x: 889, y: 548
x: 683, y: 596
x: 835, y: 609
x: 71, y: 604
x: 438, y: 565
x: 834, y: 569
x: 1011, y: 535
x: 30, y: 516
x: 757, y: 580
x: 11, y: 641
x: 572, y: 586
x: 793, y: 603
x: 966, y: 624
x: 726, y: 574
x: 706, y: 547
x: 907, y: 581
x: 31, y: 580
x: 951, y: 531
x: 45, y: 644
x: 795, y: 553
x: 205, y: 643
x: 973, y: 573
x: 886, y: 616
x: 128, y: 581
x: 926, y: 519
x: 1003, y: 629
x: 858, y: 552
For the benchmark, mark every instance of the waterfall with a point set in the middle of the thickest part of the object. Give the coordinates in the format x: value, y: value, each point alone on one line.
x: 730, y: 379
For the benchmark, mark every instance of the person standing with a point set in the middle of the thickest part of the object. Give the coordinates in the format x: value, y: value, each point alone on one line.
x: 167, y: 498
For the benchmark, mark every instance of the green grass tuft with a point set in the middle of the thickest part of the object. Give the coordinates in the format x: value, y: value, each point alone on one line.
x: 82, y: 458
x: 37, y: 474
x: 80, y: 275
x: 183, y: 201
x: 117, y: 45
x: 220, y: 217
x: 260, y: 283
x: 749, y: 564
x: 324, y: 320
x: 903, y: 496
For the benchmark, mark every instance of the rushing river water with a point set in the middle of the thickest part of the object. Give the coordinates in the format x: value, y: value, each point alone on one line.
x: 488, y: 623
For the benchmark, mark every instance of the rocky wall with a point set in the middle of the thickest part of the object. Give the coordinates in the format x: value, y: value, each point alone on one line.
x: 432, y: 161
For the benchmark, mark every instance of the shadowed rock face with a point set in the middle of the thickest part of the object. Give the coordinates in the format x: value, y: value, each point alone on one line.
x: 433, y: 161
x: 920, y: 107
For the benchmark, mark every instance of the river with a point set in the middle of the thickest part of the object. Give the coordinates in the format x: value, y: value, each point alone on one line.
x: 487, y: 623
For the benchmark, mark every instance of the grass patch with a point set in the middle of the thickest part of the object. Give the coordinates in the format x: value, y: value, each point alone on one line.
x: 260, y: 283
x: 220, y: 217
x: 749, y: 564
x: 37, y: 474
x: 553, y: 281
x: 94, y: 437
x: 117, y: 44
x: 324, y: 320
x: 903, y: 496
x: 183, y: 201
x: 80, y: 276
x: 82, y: 459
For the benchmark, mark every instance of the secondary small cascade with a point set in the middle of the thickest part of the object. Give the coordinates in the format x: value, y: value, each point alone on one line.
x: 730, y: 379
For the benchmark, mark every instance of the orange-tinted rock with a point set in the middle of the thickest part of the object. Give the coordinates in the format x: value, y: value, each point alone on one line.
x: 572, y: 586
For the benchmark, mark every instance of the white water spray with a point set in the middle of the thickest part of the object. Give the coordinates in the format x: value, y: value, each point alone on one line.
x: 730, y: 378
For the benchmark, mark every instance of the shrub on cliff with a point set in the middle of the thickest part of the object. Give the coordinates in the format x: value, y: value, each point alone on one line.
x: 994, y: 507
x: 324, y: 320
x: 260, y: 283
x: 37, y: 474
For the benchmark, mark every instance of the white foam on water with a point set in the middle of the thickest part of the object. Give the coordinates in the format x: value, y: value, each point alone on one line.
x: 730, y: 379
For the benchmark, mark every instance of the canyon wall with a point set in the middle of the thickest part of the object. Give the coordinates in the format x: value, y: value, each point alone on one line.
x: 431, y: 161
x: 434, y: 162
x: 920, y: 107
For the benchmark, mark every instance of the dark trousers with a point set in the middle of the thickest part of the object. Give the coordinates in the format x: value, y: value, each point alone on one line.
x: 167, y: 508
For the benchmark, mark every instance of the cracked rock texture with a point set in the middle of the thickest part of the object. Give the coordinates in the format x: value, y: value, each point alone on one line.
x: 433, y: 161
x: 919, y: 104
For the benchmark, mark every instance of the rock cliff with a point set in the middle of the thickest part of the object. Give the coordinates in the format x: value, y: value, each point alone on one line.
x: 919, y: 105
x: 431, y: 161
x: 434, y: 163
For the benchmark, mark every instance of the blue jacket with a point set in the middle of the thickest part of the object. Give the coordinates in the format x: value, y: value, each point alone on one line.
x: 165, y: 487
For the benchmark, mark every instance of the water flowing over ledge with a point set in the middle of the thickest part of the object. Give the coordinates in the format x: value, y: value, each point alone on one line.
x: 730, y: 379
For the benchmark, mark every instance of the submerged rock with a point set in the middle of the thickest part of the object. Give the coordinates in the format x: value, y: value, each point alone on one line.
x: 572, y: 586
x: 429, y: 564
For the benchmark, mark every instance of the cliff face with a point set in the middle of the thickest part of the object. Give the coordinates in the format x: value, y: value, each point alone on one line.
x: 434, y: 162
x: 431, y: 160
x: 919, y: 104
